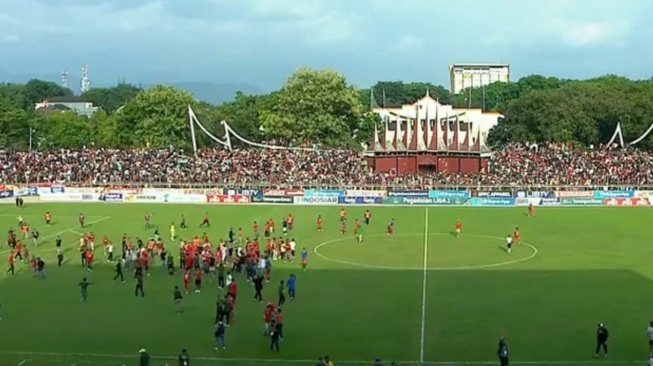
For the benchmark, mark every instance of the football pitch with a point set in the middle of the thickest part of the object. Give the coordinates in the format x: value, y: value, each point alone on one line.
x: 420, y: 296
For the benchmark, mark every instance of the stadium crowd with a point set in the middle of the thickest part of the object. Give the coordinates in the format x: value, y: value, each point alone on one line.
x: 515, y: 164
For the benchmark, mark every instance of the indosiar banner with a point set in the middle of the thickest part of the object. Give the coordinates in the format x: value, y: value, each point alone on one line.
x: 252, y: 192
x: 360, y: 200
x: 423, y: 201
x: 272, y: 199
x: 579, y: 201
x: 450, y: 194
x: 323, y: 193
x: 492, y: 201
x: 315, y: 200
x: 601, y: 195
x: 408, y: 193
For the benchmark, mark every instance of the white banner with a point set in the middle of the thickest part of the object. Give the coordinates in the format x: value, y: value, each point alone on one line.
x: 315, y: 200
x: 363, y: 193
x: 183, y: 198
x: 523, y: 201
x: 83, y: 190
x: 143, y: 198
x: 644, y: 194
x: 69, y: 197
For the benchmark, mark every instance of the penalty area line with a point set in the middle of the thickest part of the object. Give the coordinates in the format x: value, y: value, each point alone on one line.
x: 304, y: 361
x: 425, y: 270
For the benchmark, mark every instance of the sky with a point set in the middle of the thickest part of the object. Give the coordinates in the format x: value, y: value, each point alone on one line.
x: 261, y: 42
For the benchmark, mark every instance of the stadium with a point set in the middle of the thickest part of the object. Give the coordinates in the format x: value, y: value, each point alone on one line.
x: 425, y: 247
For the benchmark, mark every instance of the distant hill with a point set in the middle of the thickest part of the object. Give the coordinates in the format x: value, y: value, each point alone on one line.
x: 216, y: 93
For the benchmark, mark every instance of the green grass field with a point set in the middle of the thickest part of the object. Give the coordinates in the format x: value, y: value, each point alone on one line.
x: 421, y: 295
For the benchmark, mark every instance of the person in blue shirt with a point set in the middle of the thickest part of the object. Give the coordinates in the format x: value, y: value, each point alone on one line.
x: 291, y: 286
x: 304, y: 256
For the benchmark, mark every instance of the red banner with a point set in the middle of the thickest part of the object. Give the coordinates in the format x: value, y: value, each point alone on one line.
x: 627, y: 202
x: 221, y: 198
x: 284, y: 192
x: 41, y: 185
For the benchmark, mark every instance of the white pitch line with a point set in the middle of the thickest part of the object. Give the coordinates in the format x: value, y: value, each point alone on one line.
x: 65, y: 231
x: 21, y: 363
x: 425, y: 270
x: 296, y: 361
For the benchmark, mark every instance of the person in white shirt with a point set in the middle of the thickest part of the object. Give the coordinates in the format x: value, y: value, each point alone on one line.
x: 293, y: 246
x: 110, y: 252
x: 649, y: 332
x: 230, y: 279
x: 509, y: 243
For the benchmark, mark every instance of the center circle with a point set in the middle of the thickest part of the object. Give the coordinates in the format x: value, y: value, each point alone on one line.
x: 405, y: 251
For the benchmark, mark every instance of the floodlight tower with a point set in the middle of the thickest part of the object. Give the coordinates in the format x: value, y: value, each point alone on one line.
x: 64, y: 79
x: 86, y: 82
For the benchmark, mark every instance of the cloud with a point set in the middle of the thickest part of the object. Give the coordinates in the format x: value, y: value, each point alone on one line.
x: 409, y: 42
x: 592, y: 33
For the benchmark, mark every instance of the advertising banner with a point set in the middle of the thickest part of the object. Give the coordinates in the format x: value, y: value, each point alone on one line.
x: 449, y: 194
x: 204, y: 191
x: 408, y: 193
x: 6, y: 194
x: 581, y: 202
x: 323, y: 193
x: 81, y: 190
x: 243, y: 191
x: 613, y: 194
x: 66, y: 197
x: 644, y: 194
x: 272, y: 199
x: 33, y: 191
x: 284, y: 192
x: 57, y: 190
x: 535, y: 194
x: 423, y: 201
x: 90, y: 197
x: 110, y: 197
x: 574, y: 194
x: 527, y: 201
x: 22, y: 192
x: 627, y: 202
x: 493, y: 202
x: 363, y: 193
x: 226, y: 199
x: 143, y: 198
x: 316, y: 200
x: 360, y: 200
x: 172, y: 197
x: 550, y: 202
x: 485, y: 194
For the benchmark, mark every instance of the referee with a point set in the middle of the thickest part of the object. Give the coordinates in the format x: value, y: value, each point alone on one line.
x: 602, y: 336
x: 502, y: 352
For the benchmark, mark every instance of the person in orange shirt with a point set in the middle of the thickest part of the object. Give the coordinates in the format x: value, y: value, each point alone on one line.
x: 25, y: 230
x: 368, y: 217
x: 291, y: 221
x: 531, y: 210
x: 458, y: 229
x: 343, y: 214
x: 255, y: 229
x: 48, y: 218
x: 319, y: 223
x: 516, y: 236
x: 271, y: 226
x: 357, y: 225
x: 12, y: 264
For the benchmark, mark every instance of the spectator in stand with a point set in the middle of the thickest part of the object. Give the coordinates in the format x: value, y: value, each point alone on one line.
x: 519, y: 164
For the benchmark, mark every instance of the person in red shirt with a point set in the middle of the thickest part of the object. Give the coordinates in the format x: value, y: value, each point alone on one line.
x: 231, y: 308
x: 187, y: 281
x: 232, y: 289
x: 267, y: 318
x: 458, y: 228
x: 34, y: 265
x: 12, y: 264
x: 531, y: 210
x: 319, y: 223
x: 89, y: 259
x: 279, y: 323
x: 368, y: 216
x: 198, y: 281
x: 18, y: 251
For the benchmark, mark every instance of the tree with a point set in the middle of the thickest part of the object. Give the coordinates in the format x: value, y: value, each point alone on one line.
x: 111, y: 99
x: 157, y: 118
x: 14, y: 126
x: 397, y: 93
x: 67, y: 130
x: 315, y: 105
x: 37, y: 91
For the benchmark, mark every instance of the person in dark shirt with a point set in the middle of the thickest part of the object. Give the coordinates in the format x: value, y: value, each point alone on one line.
x: 502, y: 352
x: 177, y: 297
x: 144, y: 358
x: 138, y: 291
x: 184, y: 358
x: 83, y: 286
x: 274, y: 339
x: 40, y: 268
x: 282, y: 294
x: 258, y: 288
x: 119, y: 273
x: 59, y: 257
x: 602, y: 336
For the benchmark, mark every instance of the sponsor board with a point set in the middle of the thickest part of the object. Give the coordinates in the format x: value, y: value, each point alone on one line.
x: 484, y: 194
x: 136, y: 198
x: 492, y: 201
x: 204, y: 191
x: 360, y: 200
x: 423, y: 201
x: 22, y: 192
x: 644, y: 194
x: 43, y: 185
x: 323, y: 193
x: 90, y: 197
x: 316, y: 200
x: 527, y: 201
x: 581, y: 201
x: 64, y: 197
x: 613, y: 194
x: 283, y: 192
x: 574, y: 194
x: 83, y: 190
x: 363, y: 193
x: 535, y: 194
x: 226, y: 199
x: 111, y: 197
x: 408, y: 193
x: 57, y: 190
x: 6, y: 194
x: 272, y: 199
x: 183, y: 198
x: 550, y: 202
x: 243, y: 191
x: 627, y: 202
x: 449, y: 194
